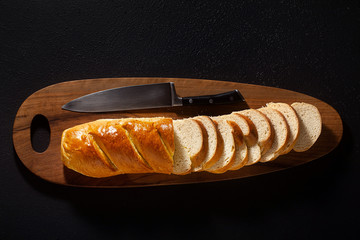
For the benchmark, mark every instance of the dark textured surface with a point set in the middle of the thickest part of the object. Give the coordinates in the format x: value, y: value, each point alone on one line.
x: 311, y: 48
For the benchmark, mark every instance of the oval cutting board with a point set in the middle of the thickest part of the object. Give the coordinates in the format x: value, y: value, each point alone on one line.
x: 48, y: 102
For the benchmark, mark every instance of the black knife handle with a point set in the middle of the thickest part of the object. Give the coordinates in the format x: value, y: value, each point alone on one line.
x: 222, y: 98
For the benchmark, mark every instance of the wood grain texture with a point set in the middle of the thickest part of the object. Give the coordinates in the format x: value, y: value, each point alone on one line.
x: 48, y: 102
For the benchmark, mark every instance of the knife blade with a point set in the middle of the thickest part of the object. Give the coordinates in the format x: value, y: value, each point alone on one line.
x: 157, y: 95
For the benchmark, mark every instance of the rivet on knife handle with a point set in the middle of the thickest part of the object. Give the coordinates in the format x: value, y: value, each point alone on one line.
x: 222, y: 98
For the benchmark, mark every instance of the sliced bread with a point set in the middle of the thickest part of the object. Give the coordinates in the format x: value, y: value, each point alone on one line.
x: 228, y: 153
x: 280, y: 128
x: 189, y: 145
x: 254, y: 154
x: 250, y: 136
x: 310, y: 125
x: 240, y: 121
x: 292, y: 120
x: 263, y: 128
x: 241, y: 150
x: 248, y: 128
x: 211, y: 141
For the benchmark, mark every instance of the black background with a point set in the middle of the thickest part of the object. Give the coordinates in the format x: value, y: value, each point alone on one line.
x: 311, y: 48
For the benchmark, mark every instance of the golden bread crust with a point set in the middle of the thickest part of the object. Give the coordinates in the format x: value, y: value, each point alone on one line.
x: 147, y: 140
x: 113, y: 139
x: 166, y: 130
x: 79, y: 154
x: 109, y: 147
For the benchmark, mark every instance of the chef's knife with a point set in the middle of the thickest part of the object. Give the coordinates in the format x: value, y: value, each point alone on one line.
x: 147, y: 96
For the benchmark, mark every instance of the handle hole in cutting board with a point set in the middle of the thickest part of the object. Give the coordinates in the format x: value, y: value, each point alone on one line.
x: 40, y: 133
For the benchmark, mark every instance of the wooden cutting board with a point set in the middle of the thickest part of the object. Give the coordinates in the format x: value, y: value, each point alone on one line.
x: 48, y: 102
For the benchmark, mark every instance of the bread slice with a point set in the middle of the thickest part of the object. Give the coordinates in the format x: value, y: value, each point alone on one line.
x: 241, y: 150
x: 189, y: 144
x: 241, y: 131
x: 280, y: 127
x: 250, y: 136
x: 263, y: 128
x: 182, y: 161
x: 248, y: 128
x: 228, y: 154
x: 292, y: 120
x: 211, y: 141
x: 310, y: 125
x: 254, y: 154
x: 240, y: 121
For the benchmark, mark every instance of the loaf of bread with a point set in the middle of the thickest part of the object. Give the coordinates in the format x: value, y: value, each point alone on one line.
x: 109, y: 147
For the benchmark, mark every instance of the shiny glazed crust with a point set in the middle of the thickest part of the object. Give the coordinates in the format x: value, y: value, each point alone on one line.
x: 105, y: 148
